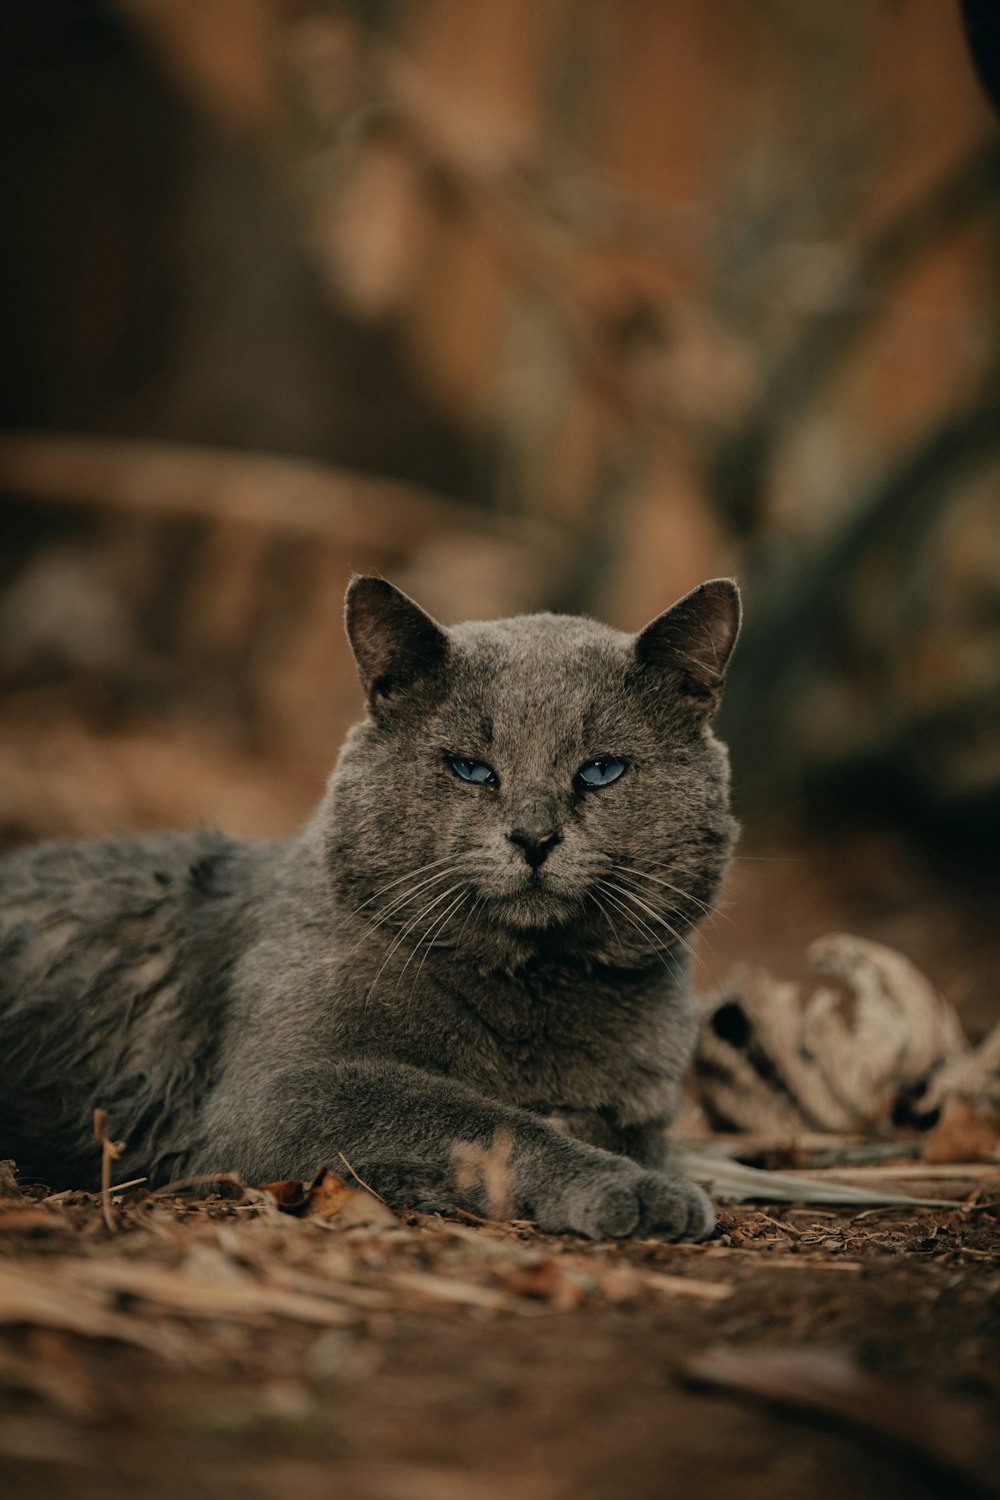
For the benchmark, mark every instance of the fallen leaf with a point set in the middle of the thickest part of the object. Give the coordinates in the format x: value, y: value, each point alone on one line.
x: 289, y: 1194
x: 329, y: 1196
x: 9, y: 1185
x: 965, y: 1132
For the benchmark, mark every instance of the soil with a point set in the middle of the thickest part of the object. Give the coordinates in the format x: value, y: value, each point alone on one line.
x: 803, y: 1352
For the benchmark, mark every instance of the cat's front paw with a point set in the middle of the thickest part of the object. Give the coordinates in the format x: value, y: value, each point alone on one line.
x: 631, y: 1204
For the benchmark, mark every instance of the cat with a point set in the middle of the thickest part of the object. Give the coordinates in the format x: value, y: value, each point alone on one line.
x: 467, y: 975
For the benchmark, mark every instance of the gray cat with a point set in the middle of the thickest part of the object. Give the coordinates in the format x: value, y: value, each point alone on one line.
x: 467, y: 973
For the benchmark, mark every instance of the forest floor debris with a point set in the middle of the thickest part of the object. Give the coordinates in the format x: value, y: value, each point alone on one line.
x: 226, y: 1345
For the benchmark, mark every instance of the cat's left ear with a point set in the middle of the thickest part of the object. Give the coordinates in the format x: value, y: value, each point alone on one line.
x: 691, y: 643
x: 397, y: 646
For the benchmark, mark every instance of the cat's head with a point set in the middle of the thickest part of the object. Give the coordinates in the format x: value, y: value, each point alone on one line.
x: 534, y: 782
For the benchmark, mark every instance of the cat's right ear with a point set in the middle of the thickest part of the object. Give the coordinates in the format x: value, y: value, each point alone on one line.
x: 688, y: 647
x: 397, y: 646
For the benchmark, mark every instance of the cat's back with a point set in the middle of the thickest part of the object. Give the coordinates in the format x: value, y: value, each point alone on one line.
x: 61, y: 904
x: 113, y: 964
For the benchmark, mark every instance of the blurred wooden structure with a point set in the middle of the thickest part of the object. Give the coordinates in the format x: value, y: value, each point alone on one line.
x: 697, y: 288
x: 186, y: 626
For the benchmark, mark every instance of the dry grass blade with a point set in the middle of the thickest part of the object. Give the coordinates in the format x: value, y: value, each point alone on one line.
x: 39, y: 1297
x: 447, y: 1289
x: 735, y: 1183
x: 202, y: 1296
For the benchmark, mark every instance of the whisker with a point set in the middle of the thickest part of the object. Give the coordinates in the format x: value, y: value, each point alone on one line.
x: 634, y: 896
x: 668, y: 885
x: 714, y: 983
x: 410, y: 875
x: 431, y: 937
x: 642, y: 928
x: 708, y: 910
x: 384, y: 917
x: 403, y: 934
x: 469, y: 916
x: 428, y: 908
x: 609, y: 919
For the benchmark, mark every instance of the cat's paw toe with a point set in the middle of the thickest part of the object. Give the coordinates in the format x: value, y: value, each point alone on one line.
x: 673, y: 1209
x: 601, y: 1208
x: 631, y: 1204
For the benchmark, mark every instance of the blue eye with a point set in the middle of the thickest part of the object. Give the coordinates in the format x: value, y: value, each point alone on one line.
x: 476, y: 771
x: 600, y: 772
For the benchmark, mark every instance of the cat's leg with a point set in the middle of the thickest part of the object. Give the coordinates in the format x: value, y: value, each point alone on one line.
x: 645, y: 1143
x: 429, y: 1143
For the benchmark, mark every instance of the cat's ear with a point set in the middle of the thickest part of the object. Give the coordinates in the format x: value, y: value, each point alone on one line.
x: 397, y: 647
x: 691, y: 642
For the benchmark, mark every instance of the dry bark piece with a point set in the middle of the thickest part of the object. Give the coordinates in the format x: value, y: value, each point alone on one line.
x: 973, y: 1076
x: 772, y: 1059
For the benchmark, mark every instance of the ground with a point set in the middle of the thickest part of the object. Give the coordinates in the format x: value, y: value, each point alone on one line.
x: 162, y: 1346
x: 225, y: 1348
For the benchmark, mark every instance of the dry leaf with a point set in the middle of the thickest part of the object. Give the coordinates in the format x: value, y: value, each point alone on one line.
x: 965, y: 1132
x: 9, y: 1185
x: 289, y: 1194
x: 329, y: 1196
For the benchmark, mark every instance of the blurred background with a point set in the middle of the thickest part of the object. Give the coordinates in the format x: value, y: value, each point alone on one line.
x: 537, y: 304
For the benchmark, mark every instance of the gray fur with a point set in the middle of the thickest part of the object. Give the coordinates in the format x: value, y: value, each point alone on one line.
x: 394, y: 981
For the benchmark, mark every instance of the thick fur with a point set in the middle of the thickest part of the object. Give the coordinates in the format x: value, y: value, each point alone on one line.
x: 395, y: 982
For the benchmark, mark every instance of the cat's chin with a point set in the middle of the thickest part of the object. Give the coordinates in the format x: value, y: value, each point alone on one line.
x: 532, y: 909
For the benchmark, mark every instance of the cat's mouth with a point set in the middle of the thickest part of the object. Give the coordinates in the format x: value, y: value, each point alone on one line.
x: 533, y: 901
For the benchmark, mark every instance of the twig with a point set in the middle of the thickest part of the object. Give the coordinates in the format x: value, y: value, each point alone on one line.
x: 358, y: 1179
x: 205, y: 1179
x: 110, y: 1151
x: 478, y: 1219
x: 779, y: 1224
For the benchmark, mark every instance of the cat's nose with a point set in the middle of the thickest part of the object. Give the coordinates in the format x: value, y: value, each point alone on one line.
x: 535, y: 843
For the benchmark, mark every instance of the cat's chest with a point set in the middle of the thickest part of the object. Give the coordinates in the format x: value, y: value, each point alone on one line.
x: 556, y: 1045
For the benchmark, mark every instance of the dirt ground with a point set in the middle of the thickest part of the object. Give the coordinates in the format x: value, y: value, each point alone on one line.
x: 226, y: 1349
x: 234, y: 1349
